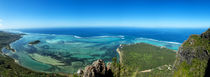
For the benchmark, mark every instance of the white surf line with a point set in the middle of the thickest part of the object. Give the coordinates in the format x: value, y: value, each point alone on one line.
x: 119, y: 52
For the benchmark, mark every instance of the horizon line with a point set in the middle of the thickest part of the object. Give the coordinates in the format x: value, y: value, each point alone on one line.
x: 110, y: 27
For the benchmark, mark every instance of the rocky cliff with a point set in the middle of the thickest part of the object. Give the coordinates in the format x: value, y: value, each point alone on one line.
x: 97, y: 69
x: 193, y: 56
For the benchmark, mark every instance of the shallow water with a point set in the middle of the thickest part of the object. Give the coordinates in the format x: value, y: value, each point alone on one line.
x: 68, y: 53
x: 80, y: 47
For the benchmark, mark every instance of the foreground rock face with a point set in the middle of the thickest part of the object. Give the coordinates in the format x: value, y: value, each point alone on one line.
x: 97, y: 69
x: 193, y: 56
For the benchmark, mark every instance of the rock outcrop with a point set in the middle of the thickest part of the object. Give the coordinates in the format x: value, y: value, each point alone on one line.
x: 193, y: 56
x: 206, y: 34
x: 97, y: 69
x: 34, y: 42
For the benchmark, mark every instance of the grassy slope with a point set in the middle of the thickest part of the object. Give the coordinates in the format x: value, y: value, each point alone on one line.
x: 139, y: 57
x: 197, y: 66
x: 8, y: 68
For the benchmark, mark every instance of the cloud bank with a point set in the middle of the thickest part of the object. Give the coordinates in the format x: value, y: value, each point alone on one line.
x: 0, y: 23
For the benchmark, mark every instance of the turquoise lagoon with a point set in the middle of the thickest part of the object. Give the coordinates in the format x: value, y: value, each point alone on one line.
x: 65, y: 50
x: 68, y: 53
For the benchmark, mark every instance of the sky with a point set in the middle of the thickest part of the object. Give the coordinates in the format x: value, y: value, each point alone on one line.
x: 104, y: 13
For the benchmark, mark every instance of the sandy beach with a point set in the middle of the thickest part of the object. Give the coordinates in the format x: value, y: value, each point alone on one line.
x: 119, y: 52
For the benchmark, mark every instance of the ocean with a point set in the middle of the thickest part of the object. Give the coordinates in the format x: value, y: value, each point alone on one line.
x: 65, y: 50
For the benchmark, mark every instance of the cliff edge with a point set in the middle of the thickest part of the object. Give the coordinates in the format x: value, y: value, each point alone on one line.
x: 97, y: 69
x: 193, y: 56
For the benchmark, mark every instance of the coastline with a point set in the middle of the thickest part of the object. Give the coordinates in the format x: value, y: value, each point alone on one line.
x: 119, y: 52
x: 7, y: 45
x: 140, y: 61
x: 10, y: 67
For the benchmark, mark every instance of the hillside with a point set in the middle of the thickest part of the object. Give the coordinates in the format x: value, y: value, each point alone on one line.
x: 142, y: 59
x: 193, y: 56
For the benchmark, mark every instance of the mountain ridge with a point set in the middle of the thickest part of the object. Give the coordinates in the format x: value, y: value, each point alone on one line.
x: 193, y: 56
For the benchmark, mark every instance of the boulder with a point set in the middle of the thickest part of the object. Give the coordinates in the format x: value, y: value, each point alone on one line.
x: 97, y: 69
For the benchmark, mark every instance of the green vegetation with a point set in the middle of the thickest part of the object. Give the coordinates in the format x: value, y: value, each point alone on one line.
x: 196, y: 69
x: 34, y: 42
x: 144, y: 56
x: 193, y: 58
x: 195, y: 41
x: 161, y: 71
x: 7, y: 38
x: 8, y: 67
x: 137, y: 58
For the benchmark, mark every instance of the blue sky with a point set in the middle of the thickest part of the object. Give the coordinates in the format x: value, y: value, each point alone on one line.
x: 105, y: 13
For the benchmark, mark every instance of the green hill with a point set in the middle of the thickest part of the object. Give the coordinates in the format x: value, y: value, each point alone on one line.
x: 193, y: 56
x: 142, y: 59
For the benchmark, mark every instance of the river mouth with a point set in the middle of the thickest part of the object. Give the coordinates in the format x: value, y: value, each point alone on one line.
x: 68, y: 53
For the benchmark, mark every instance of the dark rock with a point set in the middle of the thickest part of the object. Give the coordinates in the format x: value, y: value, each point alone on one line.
x: 80, y: 72
x: 8, y: 66
x: 188, y: 53
x: 1, y: 62
x: 34, y: 42
x: 206, y: 34
x: 10, y: 48
x: 207, y: 69
x: 195, y: 48
x: 97, y: 69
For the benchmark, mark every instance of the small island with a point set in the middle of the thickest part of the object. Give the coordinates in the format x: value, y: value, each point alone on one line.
x: 34, y: 42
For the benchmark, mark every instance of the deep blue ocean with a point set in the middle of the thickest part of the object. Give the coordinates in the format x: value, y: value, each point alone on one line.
x: 68, y: 49
x: 165, y: 34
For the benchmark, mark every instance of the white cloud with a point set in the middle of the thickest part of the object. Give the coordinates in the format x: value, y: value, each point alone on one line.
x: 1, y: 26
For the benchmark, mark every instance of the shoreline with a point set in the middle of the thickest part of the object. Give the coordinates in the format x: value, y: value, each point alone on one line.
x: 13, y: 65
x: 119, y: 52
x: 8, y: 46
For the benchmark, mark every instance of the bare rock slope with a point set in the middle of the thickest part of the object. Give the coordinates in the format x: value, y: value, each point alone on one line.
x: 193, y: 56
x: 97, y: 69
